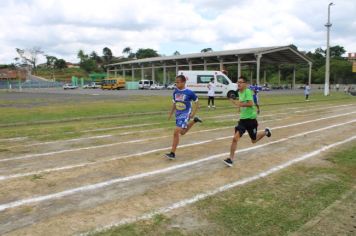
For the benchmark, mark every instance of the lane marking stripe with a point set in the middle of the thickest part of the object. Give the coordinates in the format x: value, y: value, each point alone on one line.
x: 143, y: 140
x: 142, y: 175
x: 224, y: 188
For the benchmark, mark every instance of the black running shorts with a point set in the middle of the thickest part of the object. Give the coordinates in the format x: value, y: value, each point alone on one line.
x: 247, y: 124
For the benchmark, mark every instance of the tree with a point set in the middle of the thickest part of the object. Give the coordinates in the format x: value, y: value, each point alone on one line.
x: 146, y: 53
x: 107, y: 55
x: 340, y: 71
x: 337, y: 51
x: 132, y: 55
x: 176, y: 53
x: 318, y: 57
x: 60, y: 64
x: 127, y: 51
x: 95, y: 57
x: 89, y: 65
x: 82, y: 56
x: 30, y: 55
x: 206, y: 50
x: 50, y: 60
x: 86, y: 63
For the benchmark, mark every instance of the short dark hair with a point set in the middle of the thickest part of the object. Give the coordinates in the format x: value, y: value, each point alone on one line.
x: 243, y: 78
x: 181, y: 77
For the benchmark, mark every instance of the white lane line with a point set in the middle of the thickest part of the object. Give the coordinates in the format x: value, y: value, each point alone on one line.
x: 80, y: 149
x: 117, y: 127
x: 144, y: 140
x: 13, y: 139
x: 85, y: 138
x: 201, y: 196
x: 288, y: 113
x: 138, y: 131
x: 229, y: 115
x: 294, y: 108
x: 145, y: 174
x: 64, y: 141
x: 145, y: 124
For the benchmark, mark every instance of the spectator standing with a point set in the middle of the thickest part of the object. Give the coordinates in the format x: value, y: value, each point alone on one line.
x: 211, y: 93
x: 306, y: 92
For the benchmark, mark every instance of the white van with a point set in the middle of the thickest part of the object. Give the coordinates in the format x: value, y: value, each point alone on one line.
x: 145, y: 84
x: 198, y: 81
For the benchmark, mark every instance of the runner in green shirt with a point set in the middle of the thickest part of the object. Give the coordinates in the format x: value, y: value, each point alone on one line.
x: 247, y: 120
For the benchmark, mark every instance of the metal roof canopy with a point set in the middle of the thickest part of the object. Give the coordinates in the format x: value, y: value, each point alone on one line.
x: 262, y: 55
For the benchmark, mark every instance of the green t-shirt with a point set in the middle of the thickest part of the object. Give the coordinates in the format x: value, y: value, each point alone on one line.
x: 247, y: 112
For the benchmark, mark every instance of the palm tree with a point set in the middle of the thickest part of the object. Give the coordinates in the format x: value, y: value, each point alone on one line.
x: 127, y: 51
x: 81, y: 55
x: 95, y: 57
x: 107, y: 55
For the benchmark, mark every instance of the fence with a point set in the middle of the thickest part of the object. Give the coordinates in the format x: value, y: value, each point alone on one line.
x: 29, y: 84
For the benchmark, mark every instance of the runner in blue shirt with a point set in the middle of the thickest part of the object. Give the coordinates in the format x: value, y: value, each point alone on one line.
x: 255, y: 90
x: 182, y: 105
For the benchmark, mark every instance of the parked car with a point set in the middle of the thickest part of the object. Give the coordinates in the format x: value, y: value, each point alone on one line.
x: 92, y: 85
x: 69, y: 86
x: 171, y: 86
x: 156, y: 87
x: 264, y: 88
x: 145, y: 84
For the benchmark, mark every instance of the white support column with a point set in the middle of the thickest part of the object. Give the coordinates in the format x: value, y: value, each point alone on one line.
x: 142, y: 72
x: 132, y: 73
x: 124, y: 72
x: 310, y: 73
x: 115, y: 72
x: 251, y: 79
x: 264, y: 77
x: 177, y: 68
x: 205, y: 65
x: 221, y: 64
x: 153, y: 73
x: 258, y: 68
x: 293, y: 83
x: 239, y: 67
x: 164, y: 74
x: 190, y: 65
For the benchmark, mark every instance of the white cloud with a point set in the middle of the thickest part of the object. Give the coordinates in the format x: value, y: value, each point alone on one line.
x: 62, y: 27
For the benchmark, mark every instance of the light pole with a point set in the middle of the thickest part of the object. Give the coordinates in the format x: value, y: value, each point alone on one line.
x: 327, y: 66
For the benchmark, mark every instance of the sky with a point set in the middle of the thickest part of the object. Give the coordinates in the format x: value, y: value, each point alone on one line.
x: 61, y: 28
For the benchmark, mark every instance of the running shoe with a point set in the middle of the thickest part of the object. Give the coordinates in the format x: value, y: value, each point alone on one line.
x: 197, y: 119
x: 268, y: 132
x: 228, y: 162
x: 170, y: 156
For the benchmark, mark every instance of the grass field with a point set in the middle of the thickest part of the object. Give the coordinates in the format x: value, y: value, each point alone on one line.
x: 277, y: 205
x: 82, y: 167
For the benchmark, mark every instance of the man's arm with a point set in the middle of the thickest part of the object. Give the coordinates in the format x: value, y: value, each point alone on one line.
x: 246, y: 104
x: 172, y: 111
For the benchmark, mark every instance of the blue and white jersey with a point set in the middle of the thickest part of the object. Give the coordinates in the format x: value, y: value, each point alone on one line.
x: 182, y: 99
